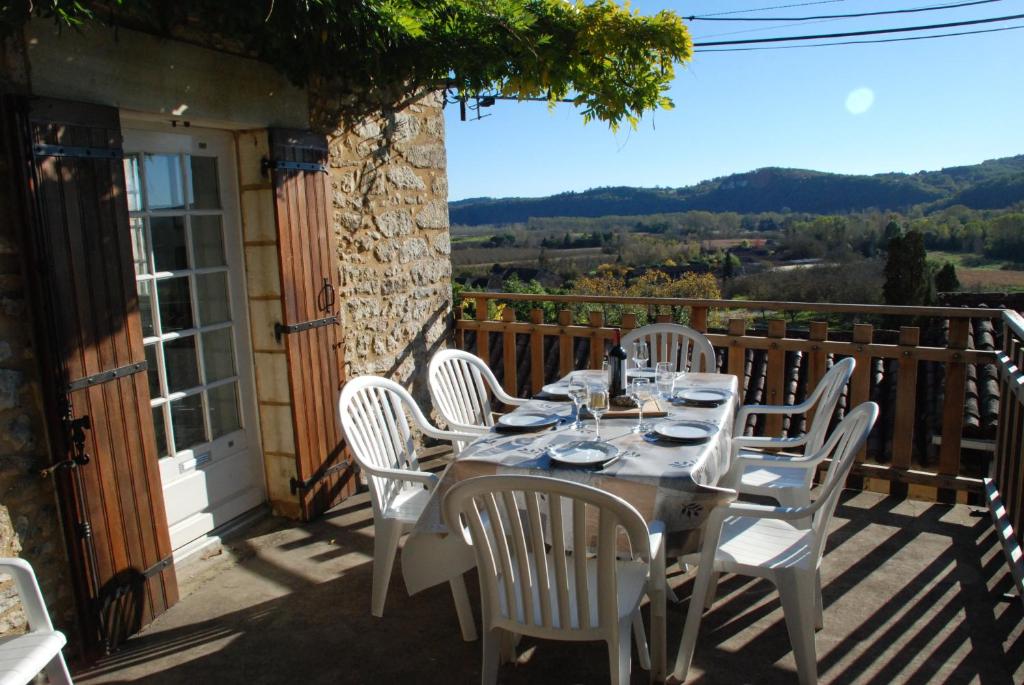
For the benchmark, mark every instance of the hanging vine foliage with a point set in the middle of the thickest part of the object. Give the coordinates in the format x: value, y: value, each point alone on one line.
x: 613, y: 63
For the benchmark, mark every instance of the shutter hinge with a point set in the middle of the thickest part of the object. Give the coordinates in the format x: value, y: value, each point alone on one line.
x: 106, y: 376
x: 281, y: 329
x: 267, y: 165
x: 41, y: 150
x: 296, y: 486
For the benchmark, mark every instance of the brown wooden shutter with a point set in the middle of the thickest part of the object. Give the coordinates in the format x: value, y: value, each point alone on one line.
x: 82, y: 279
x: 312, y: 331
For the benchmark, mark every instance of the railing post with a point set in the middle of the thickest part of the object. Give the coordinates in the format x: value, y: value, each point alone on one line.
x: 860, y: 384
x: 460, y: 334
x: 953, y: 406
x: 699, y: 319
x: 536, y: 351
x: 736, y: 360
x: 483, y: 336
x: 566, y: 363
x: 596, y: 339
x: 906, y: 406
x: 817, y: 359
x: 508, y: 352
x: 775, y: 376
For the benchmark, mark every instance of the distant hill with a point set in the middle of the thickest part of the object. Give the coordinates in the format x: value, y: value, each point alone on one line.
x: 992, y: 184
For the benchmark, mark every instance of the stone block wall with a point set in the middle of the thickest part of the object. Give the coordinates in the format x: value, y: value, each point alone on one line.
x: 390, y: 194
x: 30, y: 524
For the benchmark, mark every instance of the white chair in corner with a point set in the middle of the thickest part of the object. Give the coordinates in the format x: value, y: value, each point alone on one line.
x: 375, y: 417
x: 461, y: 385
x: 523, y: 529
x: 683, y: 347
x: 786, y: 478
x: 23, y: 657
x: 773, y: 543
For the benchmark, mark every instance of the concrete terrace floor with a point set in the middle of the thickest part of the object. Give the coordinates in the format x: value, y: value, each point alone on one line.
x: 913, y: 593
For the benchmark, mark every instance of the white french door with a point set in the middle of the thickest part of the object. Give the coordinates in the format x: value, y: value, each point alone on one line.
x: 186, y: 238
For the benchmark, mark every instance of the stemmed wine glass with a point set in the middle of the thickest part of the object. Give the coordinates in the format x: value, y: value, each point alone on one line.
x: 598, y: 404
x: 579, y: 393
x: 641, y: 354
x: 640, y: 392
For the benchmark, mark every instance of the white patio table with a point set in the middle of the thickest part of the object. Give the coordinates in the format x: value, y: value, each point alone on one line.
x: 671, y: 483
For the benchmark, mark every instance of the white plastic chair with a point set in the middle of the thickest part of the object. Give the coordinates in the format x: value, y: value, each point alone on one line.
x: 685, y: 348
x: 460, y: 386
x: 523, y: 530
x: 23, y: 657
x: 773, y: 543
x: 786, y: 478
x: 375, y: 417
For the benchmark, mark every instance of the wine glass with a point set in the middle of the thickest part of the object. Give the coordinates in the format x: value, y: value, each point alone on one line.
x: 579, y: 393
x: 598, y: 404
x: 641, y: 353
x: 640, y: 392
x: 664, y: 376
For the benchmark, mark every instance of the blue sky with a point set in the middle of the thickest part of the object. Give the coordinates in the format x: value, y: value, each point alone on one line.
x: 933, y: 104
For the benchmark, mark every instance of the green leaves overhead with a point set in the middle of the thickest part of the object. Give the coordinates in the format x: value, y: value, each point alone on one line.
x: 613, y: 63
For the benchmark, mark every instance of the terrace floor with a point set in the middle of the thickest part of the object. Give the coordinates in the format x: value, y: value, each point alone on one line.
x: 913, y: 593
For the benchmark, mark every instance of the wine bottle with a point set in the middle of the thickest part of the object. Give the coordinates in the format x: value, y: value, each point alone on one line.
x: 617, y: 377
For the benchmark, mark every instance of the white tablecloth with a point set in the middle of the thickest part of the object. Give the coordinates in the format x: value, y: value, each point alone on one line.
x: 668, y: 482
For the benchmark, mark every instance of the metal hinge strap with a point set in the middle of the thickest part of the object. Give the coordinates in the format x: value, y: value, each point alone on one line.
x: 106, y: 376
x: 158, y: 566
x: 281, y: 329
x: 286, y: 165
x: 298, y: 486
x: 42, y: 150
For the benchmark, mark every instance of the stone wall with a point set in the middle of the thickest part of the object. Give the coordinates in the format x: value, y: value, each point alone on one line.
x: 29, y: 520
x: 390, y: 187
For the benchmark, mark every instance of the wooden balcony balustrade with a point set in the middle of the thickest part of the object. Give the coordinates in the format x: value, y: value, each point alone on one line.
x: 922, y: 388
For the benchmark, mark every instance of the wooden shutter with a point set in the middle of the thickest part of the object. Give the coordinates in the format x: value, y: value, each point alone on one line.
x: 312, y: 331
x: 82, y: 279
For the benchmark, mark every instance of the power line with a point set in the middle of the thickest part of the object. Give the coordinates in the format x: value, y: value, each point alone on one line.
x: 776, y: 7
x: 909, y: 10
x: 864, y: 42
x: 848, y: 34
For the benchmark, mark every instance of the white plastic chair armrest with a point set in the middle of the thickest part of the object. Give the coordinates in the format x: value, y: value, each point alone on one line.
x: 505, y: 398
x: 468, y: 428
x: 425, y: 477
x: 763, y: 511
x: 784, y: 409
x: 784, y: 460
x: 766, y: 442
x: 452, y: 436
x: 29, y: 592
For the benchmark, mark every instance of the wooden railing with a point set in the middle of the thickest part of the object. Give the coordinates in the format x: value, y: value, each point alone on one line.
x: 1004, y: 488
x: 920, y: 440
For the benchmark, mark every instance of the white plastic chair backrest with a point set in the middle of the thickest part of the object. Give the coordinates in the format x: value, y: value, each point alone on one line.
x: 375, y: 415
x: 522, y: 528
x: 460, y: 387
x: 685, y: 348
x: 28, y: 591
x: 825, y: 398
x: 842, y: 445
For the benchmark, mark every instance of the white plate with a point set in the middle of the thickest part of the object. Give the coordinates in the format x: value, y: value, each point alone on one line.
x: 527, y: 419
x: 583, y: 453
x: 685, y: 431
x: 559, y: 389
x: 703, y: 395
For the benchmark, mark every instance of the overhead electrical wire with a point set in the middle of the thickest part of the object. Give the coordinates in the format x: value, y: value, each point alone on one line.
x: 849, y: 34
x: 909, y: 10
x: 864, y: 42
x: 776, y: 7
